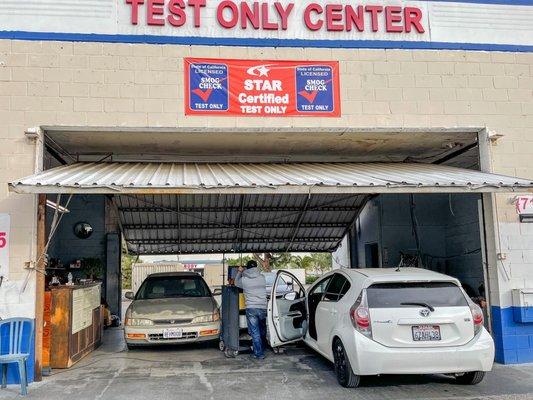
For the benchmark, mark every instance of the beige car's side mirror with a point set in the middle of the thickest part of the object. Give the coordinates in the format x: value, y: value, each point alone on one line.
x: 129, y: 295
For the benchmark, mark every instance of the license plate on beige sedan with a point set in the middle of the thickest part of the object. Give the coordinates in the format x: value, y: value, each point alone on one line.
x: 426, y: 333
x: 172, y: 333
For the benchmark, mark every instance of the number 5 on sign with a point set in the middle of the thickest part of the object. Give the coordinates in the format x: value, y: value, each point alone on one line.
x: 5, y: 223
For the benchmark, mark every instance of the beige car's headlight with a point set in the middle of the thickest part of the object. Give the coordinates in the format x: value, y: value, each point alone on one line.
x: 207, y: 318
x: 138, y: 322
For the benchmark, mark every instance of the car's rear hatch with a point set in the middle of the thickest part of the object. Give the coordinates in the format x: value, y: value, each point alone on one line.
x: 419, y: 314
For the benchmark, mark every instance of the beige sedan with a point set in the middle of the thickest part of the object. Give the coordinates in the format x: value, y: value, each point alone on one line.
x: 171, y: 308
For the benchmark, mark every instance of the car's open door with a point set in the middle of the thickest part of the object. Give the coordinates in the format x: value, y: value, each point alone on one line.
x: 287, y: 315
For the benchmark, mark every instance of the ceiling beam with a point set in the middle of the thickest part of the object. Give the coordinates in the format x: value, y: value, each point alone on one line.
x: 167, y: 251
x: 298, y: 223
x: 230, y: 241
x: 237, y: 209
x: 207, y: 226
x: 239, y: 230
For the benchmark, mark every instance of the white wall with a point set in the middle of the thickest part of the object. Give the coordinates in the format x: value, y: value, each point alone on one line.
x: 116, y: 84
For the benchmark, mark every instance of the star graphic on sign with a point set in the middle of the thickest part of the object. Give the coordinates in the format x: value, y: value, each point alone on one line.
x: 263, y: 70
x: 259, y: 70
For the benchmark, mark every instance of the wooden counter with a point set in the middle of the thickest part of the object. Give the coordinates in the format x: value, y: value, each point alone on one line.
x: 76, y: 323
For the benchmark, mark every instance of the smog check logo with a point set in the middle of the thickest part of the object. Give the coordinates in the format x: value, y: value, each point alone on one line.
x: 208, y: 85
x: 314, y: 86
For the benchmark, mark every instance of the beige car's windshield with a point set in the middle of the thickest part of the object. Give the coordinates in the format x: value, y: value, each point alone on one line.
x: 172, y: 286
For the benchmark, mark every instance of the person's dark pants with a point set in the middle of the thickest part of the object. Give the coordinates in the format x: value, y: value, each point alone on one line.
x: 256, y: 321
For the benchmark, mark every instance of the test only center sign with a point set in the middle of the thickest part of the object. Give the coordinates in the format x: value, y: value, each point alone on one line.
x: 262, y: 88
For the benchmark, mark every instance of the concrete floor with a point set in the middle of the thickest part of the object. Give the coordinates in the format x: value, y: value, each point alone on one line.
x: 202, y: 372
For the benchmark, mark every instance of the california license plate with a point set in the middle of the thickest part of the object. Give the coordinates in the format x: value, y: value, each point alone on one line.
x: 172, y: 333
x: 426, y: 333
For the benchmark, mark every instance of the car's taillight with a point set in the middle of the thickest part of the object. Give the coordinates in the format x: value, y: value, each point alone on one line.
x: 477, y: 316
x: 360, y: 315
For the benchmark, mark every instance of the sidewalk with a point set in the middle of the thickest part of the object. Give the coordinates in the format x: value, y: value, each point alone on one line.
x: 202, y: 372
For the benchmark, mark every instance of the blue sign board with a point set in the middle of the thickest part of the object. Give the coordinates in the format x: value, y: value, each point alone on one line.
x: 314, y: 88
x: 208, y: 87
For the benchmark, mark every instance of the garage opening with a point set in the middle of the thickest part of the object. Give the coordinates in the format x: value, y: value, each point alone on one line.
x: 440, y: 232
x: 373, y: 198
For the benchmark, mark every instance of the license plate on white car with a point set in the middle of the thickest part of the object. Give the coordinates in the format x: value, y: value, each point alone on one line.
x: 172, y: 333
x: 426, y: 333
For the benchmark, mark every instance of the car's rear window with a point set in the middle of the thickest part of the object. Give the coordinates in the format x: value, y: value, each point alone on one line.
x: 163, y: 287
x: 400, y: 294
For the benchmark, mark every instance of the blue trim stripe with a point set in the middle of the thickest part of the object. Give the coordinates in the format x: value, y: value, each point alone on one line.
x: 206, y: 41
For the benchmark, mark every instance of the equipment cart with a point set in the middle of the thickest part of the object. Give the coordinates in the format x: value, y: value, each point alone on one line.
x: 233, y: 336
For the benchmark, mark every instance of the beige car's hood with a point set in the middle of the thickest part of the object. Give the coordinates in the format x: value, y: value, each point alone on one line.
x: 180, y: 307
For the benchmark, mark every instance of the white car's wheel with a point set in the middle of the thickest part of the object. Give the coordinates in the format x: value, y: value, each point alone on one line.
x: 470, y: 378
x: 221, y: 345
x: 343, y: 369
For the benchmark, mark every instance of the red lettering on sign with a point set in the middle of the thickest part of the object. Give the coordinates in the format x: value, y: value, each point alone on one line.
x: 524, y: 205
x: 284, y: 14
x: 271, y: 26
x: 197, y: 5
x: 374, y: 11
x: 154, y: 8
x: 3, y: 240
x: 231, y: 8
x: 249, y: 15
x: 135, y: 10
x: 333, y: 15
x: 269, y: 16
x: 393, y: 15
x: 413, y: 17
x: 355, y: 17
x: 177, y: 16
x: 316, y: 9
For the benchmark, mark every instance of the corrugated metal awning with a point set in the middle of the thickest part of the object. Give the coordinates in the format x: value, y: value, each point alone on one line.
x: 200, y: 178
x: 173, y: 208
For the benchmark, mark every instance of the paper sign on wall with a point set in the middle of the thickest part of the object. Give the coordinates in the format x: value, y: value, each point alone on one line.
x: 5, y: 223
x: 524, y: 205
x: 266, y: 88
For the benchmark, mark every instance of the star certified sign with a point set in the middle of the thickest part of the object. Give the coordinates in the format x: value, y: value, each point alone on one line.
x: 262, y: 88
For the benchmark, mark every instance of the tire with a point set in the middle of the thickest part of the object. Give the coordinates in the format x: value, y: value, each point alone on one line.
x: 470, y: 378
x: 343, y: 369
x: 221, y: 345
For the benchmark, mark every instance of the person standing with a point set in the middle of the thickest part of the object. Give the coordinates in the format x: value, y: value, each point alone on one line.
x: 253, y: 284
